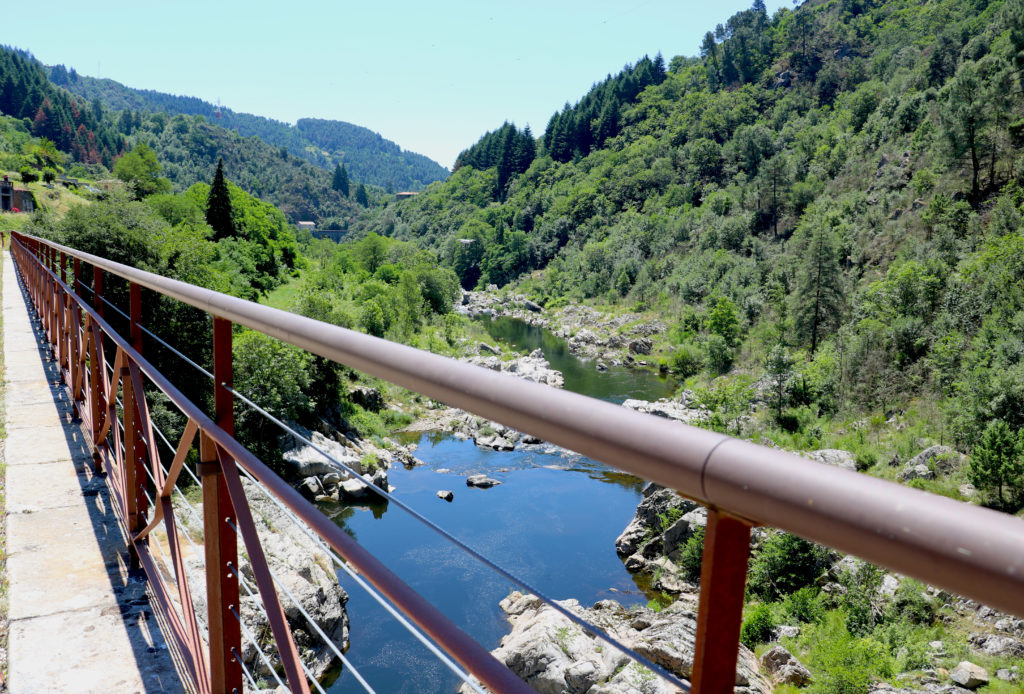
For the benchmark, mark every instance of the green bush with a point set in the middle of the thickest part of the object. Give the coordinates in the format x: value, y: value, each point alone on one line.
x: 687, y: 360
x: 865, y: 460
x: 842, y: 663
x: 804, y: 605
x: 28, y: 174
x: 758, y: 627
x: 910, y: 603
x: 783, y: 564
x: 691, y: 555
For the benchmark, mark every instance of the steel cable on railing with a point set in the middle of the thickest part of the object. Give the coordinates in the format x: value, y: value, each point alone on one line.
x: 252, y: 640
x: 316, y: 627
x: 370, y: 590
x: 245, y: 670
x: 379, y: 598
x: 599, y: 633
x: 244, y: 583
x: 522, y: 583
x: 439, y: 654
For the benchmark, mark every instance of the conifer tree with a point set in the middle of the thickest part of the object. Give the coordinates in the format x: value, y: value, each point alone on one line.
x: 818, y: 295
x: 218, y: 206
x: 340, y: 182
x: 361, y: 196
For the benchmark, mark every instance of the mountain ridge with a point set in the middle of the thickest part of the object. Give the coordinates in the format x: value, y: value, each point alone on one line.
x: 368, y: 155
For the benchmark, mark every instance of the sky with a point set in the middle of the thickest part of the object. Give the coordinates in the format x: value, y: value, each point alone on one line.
x: 431, y: 76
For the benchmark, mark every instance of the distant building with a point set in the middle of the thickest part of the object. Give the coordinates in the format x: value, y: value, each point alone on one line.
x: 467, y: 242
x: 12, y: 198
x: 405, y: 194
x: 307, y: 226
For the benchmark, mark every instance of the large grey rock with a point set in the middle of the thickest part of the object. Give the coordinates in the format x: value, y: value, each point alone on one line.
x: 303, y: 568
x: 834, y: 456
x: 482, y: 481
x: 304, y: 461
x: 942, y: 459
x: 554, y: 656
x: 916, y: 472
x: 996, y: 644
x: 969, y: 675
x: 784, y: 668
x: 679, y: 409
x: 531, y: 368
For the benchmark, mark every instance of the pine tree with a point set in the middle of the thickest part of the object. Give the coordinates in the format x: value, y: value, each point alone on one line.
x: 361, y: 196
x: 218, y: 206
x: 340, y: 182
x: 818, y: 295
x: 996, y: 460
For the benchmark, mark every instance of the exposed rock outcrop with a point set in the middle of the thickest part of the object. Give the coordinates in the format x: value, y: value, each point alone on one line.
x: 303, y: 568
x: 784, y: 668
x: 652, y: 541
x: 555, y: 656
x: 684, y: 407
x: 531, y: 368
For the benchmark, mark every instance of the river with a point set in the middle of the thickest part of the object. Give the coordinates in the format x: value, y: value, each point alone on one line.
x: 552, y: 521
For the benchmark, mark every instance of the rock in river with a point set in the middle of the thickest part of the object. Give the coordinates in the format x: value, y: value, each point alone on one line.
x: 482, y: 481
x: 555, y: 656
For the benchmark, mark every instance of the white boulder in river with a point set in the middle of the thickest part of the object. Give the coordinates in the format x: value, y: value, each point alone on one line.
x: 555, y: 656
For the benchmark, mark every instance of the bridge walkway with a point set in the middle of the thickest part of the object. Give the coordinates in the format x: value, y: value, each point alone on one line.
x: 79, y: 619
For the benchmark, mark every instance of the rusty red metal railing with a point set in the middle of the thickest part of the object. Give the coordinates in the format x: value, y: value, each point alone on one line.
x: 966, y: 549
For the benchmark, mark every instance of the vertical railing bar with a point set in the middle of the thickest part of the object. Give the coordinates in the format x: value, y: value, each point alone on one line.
x: 722, y: 585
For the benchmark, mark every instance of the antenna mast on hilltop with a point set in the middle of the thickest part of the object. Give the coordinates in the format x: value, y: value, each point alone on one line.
x: 219, y: 116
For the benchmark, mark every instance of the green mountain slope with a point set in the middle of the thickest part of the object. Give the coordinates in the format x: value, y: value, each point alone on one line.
x: 826, y: 198
x: 323, y: 143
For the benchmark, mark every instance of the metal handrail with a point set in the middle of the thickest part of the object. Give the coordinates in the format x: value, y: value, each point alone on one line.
x: 462, y: 647
x: 966, y: 549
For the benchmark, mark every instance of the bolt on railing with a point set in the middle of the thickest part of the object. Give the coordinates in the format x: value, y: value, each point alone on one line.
x: 965, y: 549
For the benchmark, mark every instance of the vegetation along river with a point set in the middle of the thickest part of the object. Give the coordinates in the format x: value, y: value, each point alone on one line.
x: 553, y: 521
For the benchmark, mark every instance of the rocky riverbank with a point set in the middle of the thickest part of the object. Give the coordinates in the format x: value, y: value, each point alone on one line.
x: 611, y: 340
x: 555, y: 656
x: 300, y: 566
x: 486, y: 433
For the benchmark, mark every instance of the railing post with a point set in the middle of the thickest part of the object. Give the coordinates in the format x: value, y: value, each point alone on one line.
x: 135, y: 311
x: 137, y: 460
x: 97, y: 376
x: 130, y: 470
x: 723, y: 578
x: 97, y: 289
x: 219, y: 538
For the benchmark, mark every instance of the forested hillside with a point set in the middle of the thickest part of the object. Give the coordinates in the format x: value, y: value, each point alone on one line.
x: 73, y: 125
x: 826, y: 198
x: 323, y: 143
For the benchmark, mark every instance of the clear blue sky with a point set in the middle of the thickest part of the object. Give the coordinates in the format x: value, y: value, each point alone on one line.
x: 432, y: 76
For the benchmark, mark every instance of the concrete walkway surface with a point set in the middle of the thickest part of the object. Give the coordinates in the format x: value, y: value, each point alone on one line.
x: 80, y: 621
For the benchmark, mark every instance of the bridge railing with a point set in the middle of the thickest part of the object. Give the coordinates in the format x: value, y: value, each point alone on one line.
x: 969, y: 550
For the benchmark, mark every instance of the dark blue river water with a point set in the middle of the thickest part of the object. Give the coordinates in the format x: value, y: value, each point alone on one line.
x: 553, y: 522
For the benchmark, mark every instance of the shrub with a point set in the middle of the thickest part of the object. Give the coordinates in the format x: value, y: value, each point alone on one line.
x: 865, y: 460
x: 691, y: 555
x: 28, y: 174
x: 720, y: 356
x: 844, y: 664
x: 49, y: 174
x: 910, y: 603
x: 758, y: 627
x: 687, y: 360
x: 783, y: 564
x: 804, y: 605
